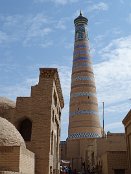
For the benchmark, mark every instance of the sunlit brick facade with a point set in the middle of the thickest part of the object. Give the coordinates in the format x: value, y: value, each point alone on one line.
x: 38, y: 119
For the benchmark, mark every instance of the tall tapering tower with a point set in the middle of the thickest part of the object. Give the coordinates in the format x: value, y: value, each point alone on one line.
x: 83, y: 117
x: 84, y: 124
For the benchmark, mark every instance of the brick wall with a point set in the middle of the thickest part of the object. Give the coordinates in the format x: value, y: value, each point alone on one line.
x: 16, y: 159
x: 116, y: 160
x: 127, y: 124
x: 113, y: 142
x: 27, y: 161
x: 45, y: 116
x: 9, y: 158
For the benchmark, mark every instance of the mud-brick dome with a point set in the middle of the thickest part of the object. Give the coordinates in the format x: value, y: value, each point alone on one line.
x: 9, y: 135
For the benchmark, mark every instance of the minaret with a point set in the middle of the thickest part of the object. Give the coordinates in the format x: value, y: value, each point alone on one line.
x: 83, y: 117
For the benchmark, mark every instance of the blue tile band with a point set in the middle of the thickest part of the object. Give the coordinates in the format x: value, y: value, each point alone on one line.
x: 82, y: 78
x: 83, y: 112
x: 77, y: 52
x: 80, y: 46
x: 81, y: 94
x: 84, y: 135
x: 80, y: 58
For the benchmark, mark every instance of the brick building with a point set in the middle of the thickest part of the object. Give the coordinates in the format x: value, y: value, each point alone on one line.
x: 37, y: 118
x: 127, y: 124
x: 87, y: 146
x: 111, y: 154
x: 107, y: 155
x: 14, y: 156
x: 32, y: 146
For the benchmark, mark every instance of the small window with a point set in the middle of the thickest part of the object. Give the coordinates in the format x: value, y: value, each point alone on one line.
x: 51, y: 172
x: 59, y: 114
x: 25, y: 129
x: 92, y: 158
x: 53, y: 114
x: 55, y: 99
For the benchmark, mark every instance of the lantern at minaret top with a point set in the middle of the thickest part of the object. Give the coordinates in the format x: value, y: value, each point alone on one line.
x: 80, y: 27
x: 83, y: 115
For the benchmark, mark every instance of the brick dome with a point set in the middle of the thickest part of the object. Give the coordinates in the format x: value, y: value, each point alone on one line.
x: 9, y: 136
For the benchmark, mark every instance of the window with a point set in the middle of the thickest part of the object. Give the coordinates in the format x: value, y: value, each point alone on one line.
x: 53, y: 115
x: 51, y: 172
x: 59, y: 114
x: 25, y: 129
x: 92, y: 158
x: 55, y: 99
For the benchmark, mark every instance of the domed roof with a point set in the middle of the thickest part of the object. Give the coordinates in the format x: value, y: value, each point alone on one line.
x: 6, y: 103
x: 9, y: 136
x: 80, y: 20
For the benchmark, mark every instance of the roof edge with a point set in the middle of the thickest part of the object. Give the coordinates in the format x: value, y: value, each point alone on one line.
x: 53, y: 72
x: 127, y: 118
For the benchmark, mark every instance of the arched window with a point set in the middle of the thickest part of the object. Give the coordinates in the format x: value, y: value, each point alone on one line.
x: 25, y: 129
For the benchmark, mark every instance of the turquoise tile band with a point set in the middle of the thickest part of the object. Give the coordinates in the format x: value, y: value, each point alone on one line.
x: 84, y: 135
x: 83, y: 112
x: 81, y: 94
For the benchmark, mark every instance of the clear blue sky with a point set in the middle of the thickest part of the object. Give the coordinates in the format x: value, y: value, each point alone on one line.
x: 40, y: 33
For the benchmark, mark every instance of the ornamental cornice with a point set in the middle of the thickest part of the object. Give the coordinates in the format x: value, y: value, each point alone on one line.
x: 53, y: 73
